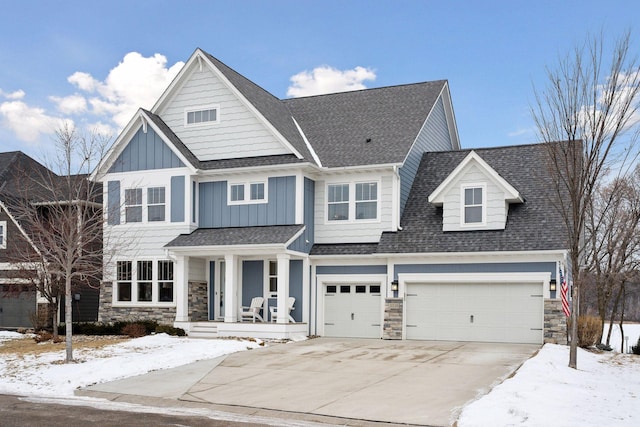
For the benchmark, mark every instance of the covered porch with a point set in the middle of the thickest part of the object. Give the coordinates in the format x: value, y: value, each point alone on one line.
x: 218, y: 272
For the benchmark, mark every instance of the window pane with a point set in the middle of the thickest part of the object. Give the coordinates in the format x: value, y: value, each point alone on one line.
x: 331, y: 289
x: 165, y: 291
x: 144, y: 291
x: 477, y: 196
x: 145, y: 270
x: 165, y: 270
x: 257, y: 191
x: 361, y: 289
x: 123, y: 270
x: 213, y: 115
x: 191, y: 117
x: 473, y: 214
x: 198, y: 116
x: 273, y: 268
x: 367, y: 191
x: 133, y: 214
x: 156, y: 213
x: 338, y: 211
x: 345, y: 289
x: 124, y: 291
x: 338, y: 193
x: 366, y: 210
x: 155, y: 195
x: 273, y: 284
x: 374, y: 289
x: 468, y: 196
x: 237, y: 192
x: 133, y: 196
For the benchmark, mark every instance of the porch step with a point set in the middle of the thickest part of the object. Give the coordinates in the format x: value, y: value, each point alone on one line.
x: 203, y: 330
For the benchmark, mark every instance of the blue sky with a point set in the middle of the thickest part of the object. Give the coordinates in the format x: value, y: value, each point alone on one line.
x: 73, y: 60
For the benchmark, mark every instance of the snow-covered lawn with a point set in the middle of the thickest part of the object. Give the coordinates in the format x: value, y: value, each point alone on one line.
x: 603, y: 391
x: 44, y: 375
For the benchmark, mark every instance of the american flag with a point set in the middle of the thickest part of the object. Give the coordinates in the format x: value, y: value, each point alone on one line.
x: 564, y: 291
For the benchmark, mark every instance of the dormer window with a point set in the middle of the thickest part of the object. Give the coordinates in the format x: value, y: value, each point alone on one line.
x: 203, y: 115
x: 473, y: 203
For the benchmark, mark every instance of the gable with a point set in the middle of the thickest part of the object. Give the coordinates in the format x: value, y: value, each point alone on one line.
x: 237, y: 130
x: 145, y: 151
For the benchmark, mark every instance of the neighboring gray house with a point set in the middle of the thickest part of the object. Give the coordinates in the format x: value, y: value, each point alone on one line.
x: 222, y: 192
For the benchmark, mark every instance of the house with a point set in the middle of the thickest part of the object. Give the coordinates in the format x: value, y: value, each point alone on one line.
x: 222, y: 192
x: 21, y: 304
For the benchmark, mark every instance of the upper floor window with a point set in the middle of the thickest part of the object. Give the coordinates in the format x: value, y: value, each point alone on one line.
x: 473, y: 205
x: 3, y: 234
x: 133, y: 205
x: 201, y: 115
x: 155, y: 203
x: 247, y: 192
x: 353, y: 201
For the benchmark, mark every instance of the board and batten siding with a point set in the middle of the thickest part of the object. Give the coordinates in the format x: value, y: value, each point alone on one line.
x: 238, y: 132
x: 353, y: 231
x: 280, y: 209
x: 146, y: 151
x: 496, y: 206
x: 197, y: 269
x: 434, y: 136
x: 304, y: 243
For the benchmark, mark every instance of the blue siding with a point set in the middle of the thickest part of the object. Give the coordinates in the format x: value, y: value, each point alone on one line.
x: 433, y: 137
x: 295, y: 287
x: 252, y: 281
x: 113, y: 201
x: 351, y: 269
x: 305, y: 241
x: 503, y: 267
x: 177, y: 199
x: 280, y: 209
x: 146, y: 151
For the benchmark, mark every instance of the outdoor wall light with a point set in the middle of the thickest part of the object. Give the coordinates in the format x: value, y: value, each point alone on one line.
x: 552, y: 285
x: 394, y: 286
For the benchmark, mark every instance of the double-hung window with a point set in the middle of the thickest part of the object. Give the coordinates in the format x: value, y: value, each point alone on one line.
x: 353, y: 201
x: 123, y: 277
x: 165, y: 281
x: 473, y: 205
x: 338, y: 202
x: 144, y: 282
x: 155, y: 204
x: 133, y: 204
x: 273, y: 278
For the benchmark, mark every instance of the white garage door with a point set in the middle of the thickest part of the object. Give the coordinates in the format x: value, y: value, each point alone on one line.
x: 490, y: 312
x: 352, y: 310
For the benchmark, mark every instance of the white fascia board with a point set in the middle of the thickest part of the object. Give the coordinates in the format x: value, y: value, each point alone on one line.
x: 437, y: 196
x: 215, y: 250
x: 443, y: 278
x: 451, y: 117
x: 306, y: 141
x: 285, y: 167
x: 249, y: 105
x: 295, y: 236
x: 475, y: 257
x: 340, y: 260
x: 24, y: 234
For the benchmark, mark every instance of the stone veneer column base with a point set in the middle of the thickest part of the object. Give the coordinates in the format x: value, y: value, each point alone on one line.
x: 392, y: 328
x: 555, y: 322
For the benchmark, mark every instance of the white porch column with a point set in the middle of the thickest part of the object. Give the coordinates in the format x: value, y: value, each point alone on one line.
x: 283, y: 287
x: 182, y: 291
x: 231, y: 288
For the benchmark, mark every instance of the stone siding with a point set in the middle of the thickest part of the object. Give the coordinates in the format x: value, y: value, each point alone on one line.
x: 198, y: 302
x: 108, y: 313
x: 555, y: 322
x: 392, y: 328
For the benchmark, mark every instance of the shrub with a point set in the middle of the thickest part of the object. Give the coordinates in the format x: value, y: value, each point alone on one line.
x: 135, y: 330
x: 589, y: 329
x: 170, y: 330
x: 42, y: 336
x: 635, y: 349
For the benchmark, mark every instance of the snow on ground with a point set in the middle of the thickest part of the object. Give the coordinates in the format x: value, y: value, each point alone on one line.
x: 45, y: 375
x: 631, y: 330
x: 603, y: 391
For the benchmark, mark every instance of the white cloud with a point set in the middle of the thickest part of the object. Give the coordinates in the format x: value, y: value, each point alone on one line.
x: 326, y: 79
x: 72, y: 104
x: 83, y: 81
x: 18, y: 94
x: 28, y: 123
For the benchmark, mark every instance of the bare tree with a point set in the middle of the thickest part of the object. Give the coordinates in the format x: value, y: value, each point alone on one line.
x: 62, y: 215
x: 613, y: 242
x: 593, y: 105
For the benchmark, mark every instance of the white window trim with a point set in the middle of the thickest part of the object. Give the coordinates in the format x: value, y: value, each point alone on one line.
x: 247, y: 192
x: 145, y: 204
x: 463, y: 187
x: 352, y: 202
x: 201, y: 108
x: 134, y: 285
x: 3, y: 241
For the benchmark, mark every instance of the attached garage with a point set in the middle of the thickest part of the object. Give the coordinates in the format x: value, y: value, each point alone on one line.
x: 475, y: 311
x: 16, y: 308
x: 352, y: 310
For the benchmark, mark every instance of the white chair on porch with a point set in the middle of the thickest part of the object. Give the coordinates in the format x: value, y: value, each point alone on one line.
x: 274, y: 310
x: 253, y: 311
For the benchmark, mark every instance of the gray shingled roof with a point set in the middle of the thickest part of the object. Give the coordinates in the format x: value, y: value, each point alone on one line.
x: 532, y: 225
x: 260, y: 235
x: 344, y: 249
x: 177, y: 142
x: 338, y: 125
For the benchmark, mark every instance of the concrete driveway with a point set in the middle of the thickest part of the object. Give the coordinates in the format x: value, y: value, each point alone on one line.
x: 405, y: 382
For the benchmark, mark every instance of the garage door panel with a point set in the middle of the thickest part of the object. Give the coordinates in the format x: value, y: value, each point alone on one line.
x: 492, y: 312
x: 353, y: 311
